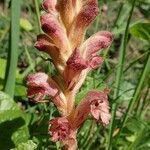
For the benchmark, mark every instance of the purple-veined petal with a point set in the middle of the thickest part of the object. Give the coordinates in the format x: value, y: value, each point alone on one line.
x: 75, y: 65
x: 98, y: 41
x: 95, y: 103
x: 54, y: 29
x: 85, y: 17
x: 41, y: 85
x: 99, y: 106
x: 95, y: 62
x: 60, y: 130
x: 45, y: 44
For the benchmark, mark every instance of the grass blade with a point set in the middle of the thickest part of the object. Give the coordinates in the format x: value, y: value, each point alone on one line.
x: 13, y: 48
x: 36, y: 3
x: 119, y: 75
x: 137, y: 92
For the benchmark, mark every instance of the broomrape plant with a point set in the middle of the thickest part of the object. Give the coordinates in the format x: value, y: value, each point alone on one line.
x: 64, y: 24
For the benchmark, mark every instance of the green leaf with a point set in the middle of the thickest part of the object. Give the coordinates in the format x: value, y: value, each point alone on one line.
x: 8, y: 108
x: 21, y: 134
x: 126, y: 91
x: 131, y: 138
x: 20, y: 90
x: 25, y: 24
x: 3, y: 66
x: 13, y: 128
x: 141, y: 30
x: 29, y: 145
x: 2, y: 72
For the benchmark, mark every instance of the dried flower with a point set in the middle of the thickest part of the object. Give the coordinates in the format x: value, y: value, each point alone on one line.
x: 64, y: 24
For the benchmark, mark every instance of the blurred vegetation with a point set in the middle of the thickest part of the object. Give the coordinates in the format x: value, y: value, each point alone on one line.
x: 23, y: 124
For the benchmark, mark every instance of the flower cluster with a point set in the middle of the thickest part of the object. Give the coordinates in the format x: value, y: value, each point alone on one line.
x: 64, y: 24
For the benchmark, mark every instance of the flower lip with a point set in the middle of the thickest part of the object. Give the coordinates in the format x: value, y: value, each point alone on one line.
x: 59, y: 129
x: 98, y: 41
x: 75, y: 65
x: 40, y: 85
x: 43, y: 43
x: 99, y: 107
x: 76, y: 61
x: 95, y: 62
x: 96, y: 104
x: 52, y: 27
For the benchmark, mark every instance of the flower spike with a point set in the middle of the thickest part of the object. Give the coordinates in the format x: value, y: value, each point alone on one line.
x: 64, y: 24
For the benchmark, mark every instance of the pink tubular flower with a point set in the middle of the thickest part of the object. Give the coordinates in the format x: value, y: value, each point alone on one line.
x: 61, y: 130
x: 75, y: 64
x: 99, y: 106
x: 53, y: 28
x: 41, y: 85
x: 87, y: 11
x: 64, y: 24
x: 95, y: 103
x: 87, y: 55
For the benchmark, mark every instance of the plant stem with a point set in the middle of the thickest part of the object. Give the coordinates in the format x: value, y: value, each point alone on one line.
x: 118, y: 15
x: 30, y: 68
x: 136, y: 94
x: 135, y: 60
x: 29, y: 59
x: 119, y: 75
x: 90, y: 135
x: 10, y: 76
x: 137, y: 140
x: 144, y: 101
x: 36, y: 3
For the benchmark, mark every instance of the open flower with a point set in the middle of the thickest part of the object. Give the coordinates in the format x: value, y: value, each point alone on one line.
x: 41, y: 85
x: 60, y: 129
x: 96, y: 104
x: 99, y: 106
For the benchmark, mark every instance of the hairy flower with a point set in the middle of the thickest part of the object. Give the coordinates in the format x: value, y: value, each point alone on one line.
x: 87, y: 11
x: 64, y: 24
x: 96, y: 104
x: 60, y: 130
x: 75, y: 64
x: 99, y: 106
x: 41, y: 85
